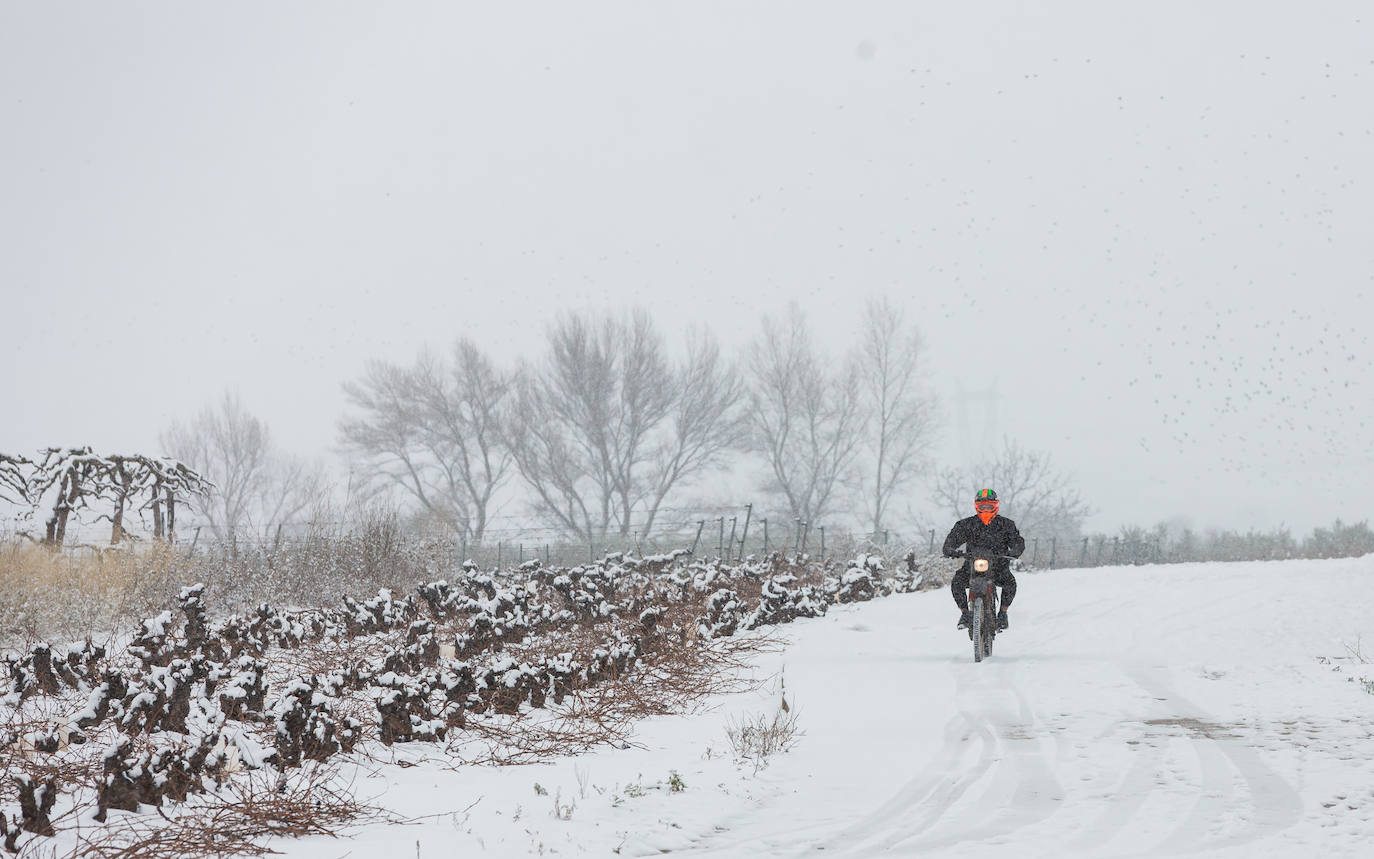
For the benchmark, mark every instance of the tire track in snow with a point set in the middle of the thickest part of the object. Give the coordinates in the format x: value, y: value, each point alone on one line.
x: 1011, y: 765
x: 942, y: 781
x: 1036, y: 795
x: 1128, y: 796
x: 1209, y: 806
x: 921, y: 803
x: 944, y: 777
x: 1274, y: 804
x: 947, y: 774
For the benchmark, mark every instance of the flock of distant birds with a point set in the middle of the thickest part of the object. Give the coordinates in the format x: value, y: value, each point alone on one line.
x: 1289, y: 392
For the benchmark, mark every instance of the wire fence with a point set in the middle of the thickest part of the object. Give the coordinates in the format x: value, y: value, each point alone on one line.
x: 821, y: 544
x: 729, y: 533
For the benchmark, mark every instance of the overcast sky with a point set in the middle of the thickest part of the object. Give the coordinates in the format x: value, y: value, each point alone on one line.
x: 1149, y: 226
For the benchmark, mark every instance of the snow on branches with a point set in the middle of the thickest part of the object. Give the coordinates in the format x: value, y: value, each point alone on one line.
x: 67, y: 481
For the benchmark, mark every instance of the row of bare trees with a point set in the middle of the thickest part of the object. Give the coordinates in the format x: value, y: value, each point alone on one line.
x: 603, y: 427
x: 68, y: 481
x: 600, y: 431
x: 596, y: 431
x: 863, y: 424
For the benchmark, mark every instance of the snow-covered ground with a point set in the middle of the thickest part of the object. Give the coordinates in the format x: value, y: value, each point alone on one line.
x: 1152, y: 711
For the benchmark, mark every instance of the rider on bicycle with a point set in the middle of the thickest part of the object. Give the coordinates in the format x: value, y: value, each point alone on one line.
x: 997, y: 537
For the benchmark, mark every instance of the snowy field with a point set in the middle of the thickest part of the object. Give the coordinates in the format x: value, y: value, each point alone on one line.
x: 1153, y: 711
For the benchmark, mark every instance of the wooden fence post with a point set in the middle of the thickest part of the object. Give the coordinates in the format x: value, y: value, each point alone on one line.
x: 748, y: 512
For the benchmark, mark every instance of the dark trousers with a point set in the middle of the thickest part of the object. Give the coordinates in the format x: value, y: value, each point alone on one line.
x: 1003, y: 578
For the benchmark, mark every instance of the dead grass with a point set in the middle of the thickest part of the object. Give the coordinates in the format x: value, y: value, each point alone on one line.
x: 73, y: 593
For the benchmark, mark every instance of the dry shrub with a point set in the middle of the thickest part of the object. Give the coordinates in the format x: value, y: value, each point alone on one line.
x: 236, y: 823
x: 323, y: 564
x: 759, y: 736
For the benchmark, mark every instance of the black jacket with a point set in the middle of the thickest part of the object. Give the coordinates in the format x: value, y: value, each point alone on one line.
x: 999, y: 537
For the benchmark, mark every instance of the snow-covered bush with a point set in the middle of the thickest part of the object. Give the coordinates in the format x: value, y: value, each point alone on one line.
x: 195, y: 698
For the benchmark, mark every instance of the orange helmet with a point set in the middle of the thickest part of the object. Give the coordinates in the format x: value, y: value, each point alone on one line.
x: 985, y: 502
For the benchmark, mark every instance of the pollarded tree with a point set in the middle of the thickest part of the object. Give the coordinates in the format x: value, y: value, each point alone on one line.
x: 171, y: 483
x: 433, y: 430
x: 607, y: 426
x: 75, y: 479
x: 70, y: 479
x: 127, y: 477
x: 160, y: 482
x: 806, y: 420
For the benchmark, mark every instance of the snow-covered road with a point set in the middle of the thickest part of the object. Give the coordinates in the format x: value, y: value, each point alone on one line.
x: 1153, y: 711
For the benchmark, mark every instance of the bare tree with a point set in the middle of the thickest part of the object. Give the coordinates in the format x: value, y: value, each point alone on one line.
x: 806, y: 420
x: 231, y: 447
x: 251, y: 485
x: 607, y: 426
x: 433, y: 430
x: 901, y: 410
x: 705, y: 423
x: 1038, y: 496
x: 291, y: 486
x: 171, y: 483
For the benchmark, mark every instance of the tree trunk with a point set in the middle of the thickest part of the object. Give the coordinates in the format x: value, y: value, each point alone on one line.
x: 57, y: 526
x: 157, y: 516
x: 117, y: 523
x: 61, y: 534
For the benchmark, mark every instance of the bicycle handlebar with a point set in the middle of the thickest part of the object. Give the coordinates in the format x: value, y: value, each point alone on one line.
x: 962, y: 554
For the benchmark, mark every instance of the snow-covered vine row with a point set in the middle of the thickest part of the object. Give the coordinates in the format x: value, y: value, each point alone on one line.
x: 188, y: 702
